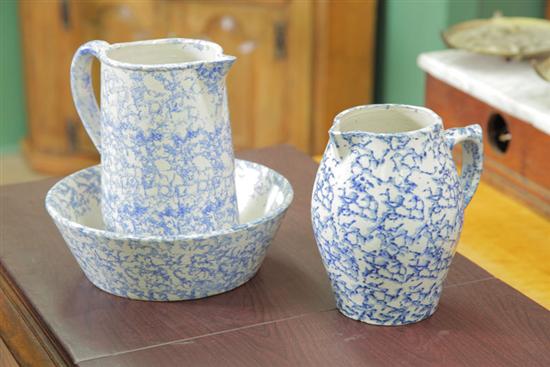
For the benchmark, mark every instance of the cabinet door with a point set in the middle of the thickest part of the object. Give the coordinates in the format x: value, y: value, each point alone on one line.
x: 51, y: 32
x: 261, y: 99
x: 48, y: 38
x: 269, y: 85
x: 119, y: 20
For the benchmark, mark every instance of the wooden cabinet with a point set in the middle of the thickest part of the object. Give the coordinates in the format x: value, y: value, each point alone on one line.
x: 262, y: 101
x: 299, y: 63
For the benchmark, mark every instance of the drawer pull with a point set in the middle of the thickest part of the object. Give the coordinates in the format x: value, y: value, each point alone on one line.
x: 505, y: 137
x: 498, y: 133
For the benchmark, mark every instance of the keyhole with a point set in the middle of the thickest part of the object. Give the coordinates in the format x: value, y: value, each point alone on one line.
x: 498, y: 133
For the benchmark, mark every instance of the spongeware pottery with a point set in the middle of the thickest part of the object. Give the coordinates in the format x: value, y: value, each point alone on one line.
x: 177, y: 267
x: 388, y: 207
x: 163, y: 132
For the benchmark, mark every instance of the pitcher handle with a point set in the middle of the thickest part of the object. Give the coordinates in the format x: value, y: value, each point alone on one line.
x: 82, y: 88
x: 471, y: 138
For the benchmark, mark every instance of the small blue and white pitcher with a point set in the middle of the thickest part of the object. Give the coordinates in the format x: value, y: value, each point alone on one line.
x: 388, y: 207
x: 163, y: 132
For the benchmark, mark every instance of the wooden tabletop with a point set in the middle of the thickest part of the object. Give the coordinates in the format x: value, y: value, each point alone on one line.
x: 284, y: 316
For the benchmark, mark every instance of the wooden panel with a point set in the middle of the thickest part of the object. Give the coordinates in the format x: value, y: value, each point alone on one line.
x: 118, y: 20
x: 265, y: 85
x: 481, y: 324
x: 44, y: 51
x: 56, y: 163
x: 536, y: 162
x: 297, y: 109
x: 6, y: 358
x: 524, y: 169
x: 343, y: 63
x: 299, y: 63
x: 48, y: 46
x: 27, y: 340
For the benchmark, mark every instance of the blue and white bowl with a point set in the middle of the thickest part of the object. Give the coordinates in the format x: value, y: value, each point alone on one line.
x: 170, y: 268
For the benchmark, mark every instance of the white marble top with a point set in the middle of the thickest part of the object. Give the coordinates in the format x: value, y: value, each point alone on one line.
x: 510, y: 86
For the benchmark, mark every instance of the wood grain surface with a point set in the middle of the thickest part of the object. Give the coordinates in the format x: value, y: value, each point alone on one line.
x: 30, y: 341
x: 473, y: 327
x: 298, y: 64
x: 343, y: 69
x: 6, y: 358
x: 283, y: 316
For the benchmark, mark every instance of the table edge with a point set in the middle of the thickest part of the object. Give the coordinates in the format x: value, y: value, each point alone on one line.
x: 27, y: 338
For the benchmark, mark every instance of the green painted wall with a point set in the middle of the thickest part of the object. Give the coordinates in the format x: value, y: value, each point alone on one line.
x: 12, y: 107
x: 409, y: 27
x: 520, y: 8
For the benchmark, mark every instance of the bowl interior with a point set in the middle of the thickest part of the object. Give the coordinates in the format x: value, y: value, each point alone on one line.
x: 260, y: 193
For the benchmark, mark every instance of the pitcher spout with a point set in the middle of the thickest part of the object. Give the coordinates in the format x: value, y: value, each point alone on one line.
x: 224, y: 63
x: 339, y: 144
x: 216, y: 70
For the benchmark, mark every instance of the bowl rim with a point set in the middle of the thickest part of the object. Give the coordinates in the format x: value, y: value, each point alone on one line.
x: 97, y: 232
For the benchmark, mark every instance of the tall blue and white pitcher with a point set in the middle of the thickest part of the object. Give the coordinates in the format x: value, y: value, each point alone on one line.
x: 388, y: 207
x: 163, y: 132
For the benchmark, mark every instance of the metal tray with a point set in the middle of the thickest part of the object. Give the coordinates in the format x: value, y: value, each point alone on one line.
x: 510, y: 37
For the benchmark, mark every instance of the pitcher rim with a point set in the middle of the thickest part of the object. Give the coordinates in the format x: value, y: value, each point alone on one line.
x: 107, y: 60
x: 437, y: 121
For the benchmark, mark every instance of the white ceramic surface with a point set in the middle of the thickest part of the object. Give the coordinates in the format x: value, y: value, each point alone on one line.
x: 163, y: 132
x: 170, y: 267
x: 387, y: 209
